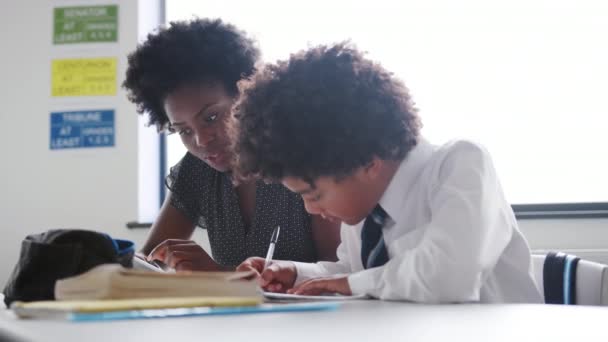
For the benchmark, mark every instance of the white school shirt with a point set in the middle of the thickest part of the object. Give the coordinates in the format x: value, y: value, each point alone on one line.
x: 451, y: 236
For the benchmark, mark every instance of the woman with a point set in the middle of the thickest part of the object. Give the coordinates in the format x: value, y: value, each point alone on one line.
x: 184, y: 78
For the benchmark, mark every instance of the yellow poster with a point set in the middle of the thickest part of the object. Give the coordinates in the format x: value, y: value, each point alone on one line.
x: 84, y: 77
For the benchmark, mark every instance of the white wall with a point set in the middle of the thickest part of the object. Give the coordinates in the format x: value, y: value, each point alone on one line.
x: 587, y: 238
x: 98, y: 188
x: 41, y: 189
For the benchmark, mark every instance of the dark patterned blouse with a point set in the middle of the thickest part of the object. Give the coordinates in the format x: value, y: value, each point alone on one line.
x: 208, y: 198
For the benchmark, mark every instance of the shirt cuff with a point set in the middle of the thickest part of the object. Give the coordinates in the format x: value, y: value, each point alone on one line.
x: 307, y: 270
x: 365, y: 282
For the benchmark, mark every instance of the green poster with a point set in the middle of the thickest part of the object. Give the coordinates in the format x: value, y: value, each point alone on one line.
x: 85, y: 24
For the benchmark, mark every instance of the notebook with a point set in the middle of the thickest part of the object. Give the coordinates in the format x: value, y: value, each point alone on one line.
x: 153, y: 265
x: 112, y: 281
x: 102, y: 310
x: 62, y: 309
x: 144, y: 265
x: 275, y: 296
x: 204, y: 311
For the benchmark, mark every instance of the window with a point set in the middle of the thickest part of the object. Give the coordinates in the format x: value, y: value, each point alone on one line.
x: 526, y: 78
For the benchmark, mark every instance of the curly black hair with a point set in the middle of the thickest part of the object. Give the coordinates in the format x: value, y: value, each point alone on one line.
x: 187, y: 53
x: 323, y: 112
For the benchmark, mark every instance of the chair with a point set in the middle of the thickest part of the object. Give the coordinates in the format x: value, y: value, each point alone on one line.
x: 556, y: 272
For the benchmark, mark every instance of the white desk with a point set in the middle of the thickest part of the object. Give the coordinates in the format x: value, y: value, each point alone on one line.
x: 354, y: 321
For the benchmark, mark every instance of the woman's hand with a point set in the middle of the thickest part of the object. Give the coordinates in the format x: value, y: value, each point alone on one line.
x: 184, y: 255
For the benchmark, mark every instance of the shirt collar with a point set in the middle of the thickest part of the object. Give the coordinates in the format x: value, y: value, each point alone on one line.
x: 407, y: 173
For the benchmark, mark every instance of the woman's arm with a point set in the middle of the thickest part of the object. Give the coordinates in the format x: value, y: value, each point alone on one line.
x: 170, y: 224
x: 326, y: 236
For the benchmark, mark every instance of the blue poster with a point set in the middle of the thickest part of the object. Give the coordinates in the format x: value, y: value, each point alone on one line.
x: 86, y: 128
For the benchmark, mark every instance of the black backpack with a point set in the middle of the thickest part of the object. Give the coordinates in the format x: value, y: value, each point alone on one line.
x: 61, y: 253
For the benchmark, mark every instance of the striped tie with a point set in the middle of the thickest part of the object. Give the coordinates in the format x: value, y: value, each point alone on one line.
x: 373, y: 250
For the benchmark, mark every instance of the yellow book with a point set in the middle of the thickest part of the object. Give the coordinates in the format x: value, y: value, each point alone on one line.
x: 49, y: 309
x: 112, y: 281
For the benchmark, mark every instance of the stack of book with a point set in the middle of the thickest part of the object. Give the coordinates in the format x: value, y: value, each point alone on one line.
x: 111, y: 287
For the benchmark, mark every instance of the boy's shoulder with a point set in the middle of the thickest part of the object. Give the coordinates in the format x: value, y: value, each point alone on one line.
x: 428, y: 160
x: 462, y: 149
x: 461, y: 145
x: 463, y: 155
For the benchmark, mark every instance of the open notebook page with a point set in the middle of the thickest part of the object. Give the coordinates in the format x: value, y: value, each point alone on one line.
x: 330, y: 297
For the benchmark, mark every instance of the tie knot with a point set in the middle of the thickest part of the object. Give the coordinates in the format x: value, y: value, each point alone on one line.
x: 379, y: 215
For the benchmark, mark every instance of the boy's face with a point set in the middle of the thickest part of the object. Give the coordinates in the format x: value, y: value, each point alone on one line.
x: 349, y: 200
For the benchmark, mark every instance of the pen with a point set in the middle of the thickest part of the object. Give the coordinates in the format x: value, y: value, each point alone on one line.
x: 273, y: 241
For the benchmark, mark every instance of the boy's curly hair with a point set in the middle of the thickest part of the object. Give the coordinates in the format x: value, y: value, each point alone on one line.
x: 324, y: 112
x: 187, y: 53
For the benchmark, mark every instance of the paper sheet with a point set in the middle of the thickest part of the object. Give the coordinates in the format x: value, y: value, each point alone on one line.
x: 329, y: 297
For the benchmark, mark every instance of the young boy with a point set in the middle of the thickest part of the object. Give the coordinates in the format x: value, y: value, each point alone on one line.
x: 422, y: 223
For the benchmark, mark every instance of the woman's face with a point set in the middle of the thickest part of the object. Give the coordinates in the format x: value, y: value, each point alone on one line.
x: 199, y: 114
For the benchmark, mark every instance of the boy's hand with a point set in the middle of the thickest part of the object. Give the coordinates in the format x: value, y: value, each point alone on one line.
x: 278, y: 277
x: 320, y: 286
x: 184, y: 255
